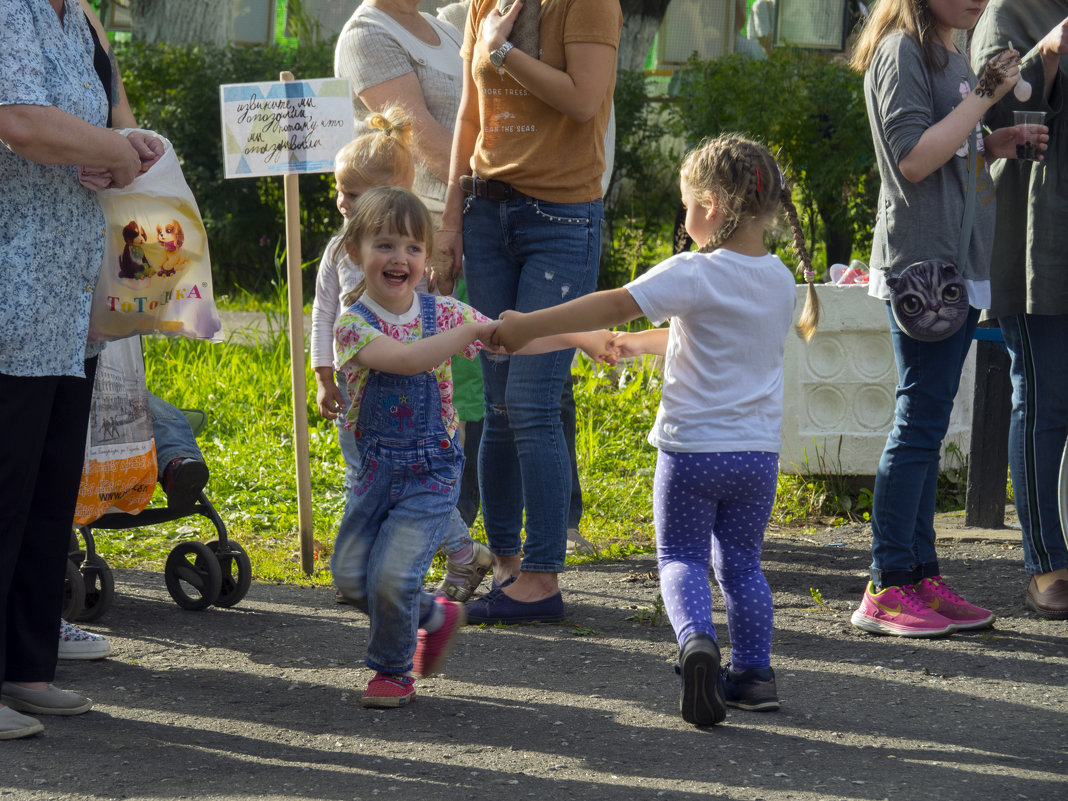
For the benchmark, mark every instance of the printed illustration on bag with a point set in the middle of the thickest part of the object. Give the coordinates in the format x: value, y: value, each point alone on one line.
x: 133, y: 263
x: 172, y: 237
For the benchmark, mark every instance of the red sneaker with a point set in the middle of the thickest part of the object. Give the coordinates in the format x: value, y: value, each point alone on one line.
x: 433, y: 647
x: 387, y: 691
x: 938, y: 595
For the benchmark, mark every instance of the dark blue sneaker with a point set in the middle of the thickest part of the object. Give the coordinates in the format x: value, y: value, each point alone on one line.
x: 701, y: 700
x: 752, y: 690
x: 496, y: 607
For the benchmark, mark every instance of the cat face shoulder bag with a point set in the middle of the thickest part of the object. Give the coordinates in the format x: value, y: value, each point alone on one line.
x: 929, y: 299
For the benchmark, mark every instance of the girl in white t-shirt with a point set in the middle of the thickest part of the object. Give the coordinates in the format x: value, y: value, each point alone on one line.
x: 718, y: 427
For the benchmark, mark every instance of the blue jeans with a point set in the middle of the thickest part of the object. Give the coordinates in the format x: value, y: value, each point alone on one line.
x: 527, y: 254
x: 906, y: 483
x: 1037, y: 431
x: 170, y: 428
x: 470, y: 500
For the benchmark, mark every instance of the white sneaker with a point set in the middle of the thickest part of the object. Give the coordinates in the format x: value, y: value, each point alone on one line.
x: 76, y: 643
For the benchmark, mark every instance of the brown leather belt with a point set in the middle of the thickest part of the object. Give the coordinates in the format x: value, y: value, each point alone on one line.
x: 491, y: 190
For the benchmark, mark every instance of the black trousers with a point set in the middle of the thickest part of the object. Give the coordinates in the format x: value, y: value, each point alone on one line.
x: 43, y: 422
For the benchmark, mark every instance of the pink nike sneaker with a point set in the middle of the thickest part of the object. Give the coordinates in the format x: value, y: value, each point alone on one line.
x: 938, y: 595
x: 900, y: 612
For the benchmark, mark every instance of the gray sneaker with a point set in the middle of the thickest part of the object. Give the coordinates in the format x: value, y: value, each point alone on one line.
x: 471, y: 572
x: 752, y: 690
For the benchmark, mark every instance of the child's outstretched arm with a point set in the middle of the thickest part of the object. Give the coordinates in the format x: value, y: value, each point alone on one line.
x: 387, y: 355
x: 628, y: 344
x: 588, y: 313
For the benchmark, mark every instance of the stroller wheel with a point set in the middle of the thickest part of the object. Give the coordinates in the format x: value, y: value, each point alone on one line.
x: 236, y: 571
x: 99, y: 587
x: 73, y: 593
x: 193, y: 576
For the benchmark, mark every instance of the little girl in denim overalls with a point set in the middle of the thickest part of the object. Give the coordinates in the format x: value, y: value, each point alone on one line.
x: 395, y: 345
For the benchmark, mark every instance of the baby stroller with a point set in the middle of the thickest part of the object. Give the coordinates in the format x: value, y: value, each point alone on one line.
x: 197, y: 575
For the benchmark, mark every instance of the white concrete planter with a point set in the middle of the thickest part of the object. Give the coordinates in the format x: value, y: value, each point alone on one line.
x: 839, y: 395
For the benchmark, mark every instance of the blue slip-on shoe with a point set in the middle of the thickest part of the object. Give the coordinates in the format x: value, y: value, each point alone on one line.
x: 496, y: 607
x: 701, y: 700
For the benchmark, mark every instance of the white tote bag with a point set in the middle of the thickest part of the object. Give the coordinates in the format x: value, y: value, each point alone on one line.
x: 156, y: 275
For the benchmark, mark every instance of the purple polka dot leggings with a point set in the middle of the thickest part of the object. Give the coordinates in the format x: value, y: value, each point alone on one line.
x: 712, y: 508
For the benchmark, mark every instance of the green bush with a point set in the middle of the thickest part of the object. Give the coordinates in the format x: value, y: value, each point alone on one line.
x: 809, y: 109
x: 174, y: 89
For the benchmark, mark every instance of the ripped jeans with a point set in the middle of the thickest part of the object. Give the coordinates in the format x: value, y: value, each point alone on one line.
x: 527, y: 254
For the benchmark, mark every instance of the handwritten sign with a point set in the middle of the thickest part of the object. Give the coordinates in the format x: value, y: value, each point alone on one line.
x: 284, y: 126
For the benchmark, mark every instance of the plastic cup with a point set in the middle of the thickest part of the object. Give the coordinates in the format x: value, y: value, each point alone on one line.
x: 1028, y: 151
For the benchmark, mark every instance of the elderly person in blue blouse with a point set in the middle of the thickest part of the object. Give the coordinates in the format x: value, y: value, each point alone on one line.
x: 53, y: 117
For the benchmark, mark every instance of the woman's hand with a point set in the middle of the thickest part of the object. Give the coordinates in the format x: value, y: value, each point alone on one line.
x: 94, y: 178
x: 448, y: 254
x: 497, y: 27
x: 1055, y: 43
x: 149, y: 148
x: 999, y: 75
x: 1001, y: 144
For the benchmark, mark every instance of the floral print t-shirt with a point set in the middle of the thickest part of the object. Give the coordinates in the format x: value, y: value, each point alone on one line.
x: 353, y: 333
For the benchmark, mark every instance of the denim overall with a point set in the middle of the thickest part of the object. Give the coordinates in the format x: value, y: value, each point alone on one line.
x: 400, y: 504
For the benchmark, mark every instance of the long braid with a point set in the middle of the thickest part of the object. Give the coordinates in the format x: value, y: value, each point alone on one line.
x: 810, y: 315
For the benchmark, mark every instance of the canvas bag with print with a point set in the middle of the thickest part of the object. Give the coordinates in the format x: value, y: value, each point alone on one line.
x: 156, y: 275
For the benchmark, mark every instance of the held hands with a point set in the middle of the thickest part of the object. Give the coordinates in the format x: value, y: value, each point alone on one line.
x: 598, y: 346
x: 486, y: 333
x: 623, y: 345
x: 509, y: 335
x: 999, y: 75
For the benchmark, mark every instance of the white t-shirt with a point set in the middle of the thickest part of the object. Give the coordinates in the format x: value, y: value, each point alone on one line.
x: 723, y: 379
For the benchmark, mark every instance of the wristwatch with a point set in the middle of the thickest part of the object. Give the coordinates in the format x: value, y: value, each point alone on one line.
x: 497, y: 56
